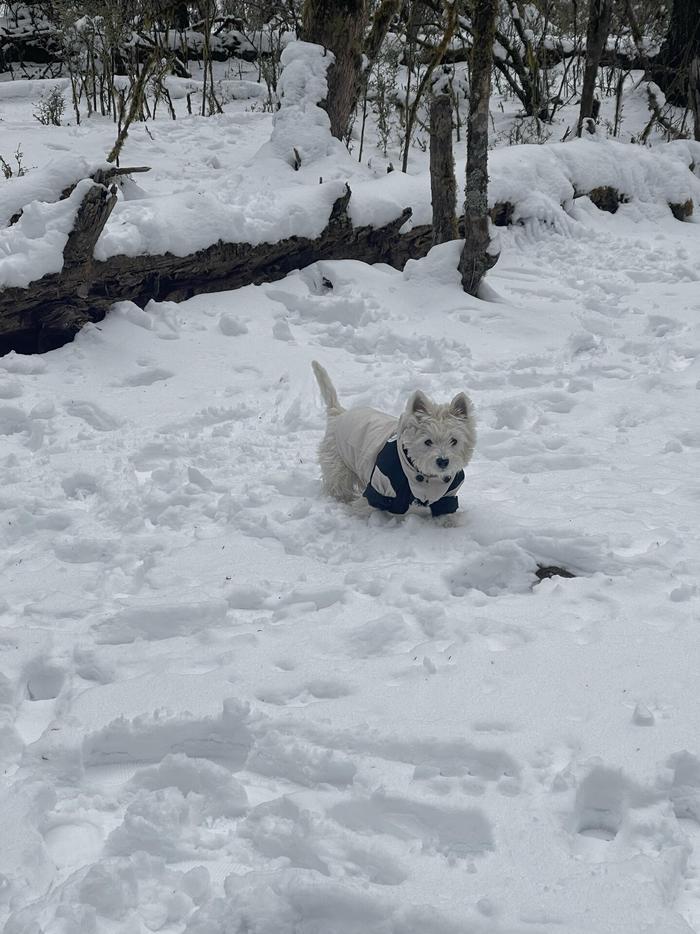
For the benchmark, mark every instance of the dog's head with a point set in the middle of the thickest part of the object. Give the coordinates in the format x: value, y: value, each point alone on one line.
x: 438, y: 439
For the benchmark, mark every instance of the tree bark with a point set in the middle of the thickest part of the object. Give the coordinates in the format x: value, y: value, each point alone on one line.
x: 599, y: 15
x: 476, y: 257
x: 681, y: 46
x: 381, y: 21
x: 694, y: 94
x: 90, y: 220
x: 339, y: 25
x: 443, y: 185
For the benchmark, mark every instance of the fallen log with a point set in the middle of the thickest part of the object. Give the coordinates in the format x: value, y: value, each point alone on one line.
x: 52, y: 310
x: 42, y: 316
x: 41, y: 44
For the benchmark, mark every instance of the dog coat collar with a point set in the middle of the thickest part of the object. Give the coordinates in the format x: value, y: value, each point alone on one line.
x: 394, y: 483
x: 426, y: 488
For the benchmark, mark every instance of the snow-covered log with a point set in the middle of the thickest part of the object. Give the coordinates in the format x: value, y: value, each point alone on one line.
x: 55, y: 283
x: 39, y: 41
x: 49, y: 311
x: 46, y: 313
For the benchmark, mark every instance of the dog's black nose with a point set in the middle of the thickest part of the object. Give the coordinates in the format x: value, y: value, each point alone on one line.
x: 442, y: 462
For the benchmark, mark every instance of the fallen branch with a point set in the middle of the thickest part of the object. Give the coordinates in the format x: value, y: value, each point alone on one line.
x: 658, y: 117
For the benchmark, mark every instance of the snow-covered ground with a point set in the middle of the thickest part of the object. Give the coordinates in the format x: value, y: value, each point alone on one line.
x: 228, y: 704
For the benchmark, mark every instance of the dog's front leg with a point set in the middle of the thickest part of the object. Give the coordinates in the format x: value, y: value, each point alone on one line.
x: 444, y: 506
x: 394, y: 504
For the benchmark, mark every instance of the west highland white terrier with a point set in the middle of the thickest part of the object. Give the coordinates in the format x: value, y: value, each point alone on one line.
x: 395, y: 462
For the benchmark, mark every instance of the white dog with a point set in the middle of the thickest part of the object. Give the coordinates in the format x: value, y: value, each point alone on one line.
x: 394, y: 462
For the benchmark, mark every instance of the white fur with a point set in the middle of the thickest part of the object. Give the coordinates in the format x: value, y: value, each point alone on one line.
x: 450, y: 429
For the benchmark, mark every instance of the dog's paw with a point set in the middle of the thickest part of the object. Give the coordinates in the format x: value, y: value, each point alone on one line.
x: 451, y: 521
x: 359, y: 508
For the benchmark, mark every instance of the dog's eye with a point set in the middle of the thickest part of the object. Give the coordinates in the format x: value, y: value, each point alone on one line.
x: 453, y: 441
x: 428, y: 442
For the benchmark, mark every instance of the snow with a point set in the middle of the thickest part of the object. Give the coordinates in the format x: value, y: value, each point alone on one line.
x: 274, y: 194
x: 33, y: 247
x: 229, y: 701
x: 43, y: 185
x: 230, y: 704
x: 34, y: 89
x: 266, y: 199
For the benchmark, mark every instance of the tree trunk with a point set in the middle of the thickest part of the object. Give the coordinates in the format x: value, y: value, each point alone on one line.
x: 681, y: 46
x: 412, y: 108
x: 476, y: 259
x: 381, y: 21
x: 599, y: 15
x: 339, y: 25
x: 443, y: 185
x: 694, y: 94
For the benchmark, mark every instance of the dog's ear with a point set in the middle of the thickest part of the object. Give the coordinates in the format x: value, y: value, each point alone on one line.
x: 419, y: 404
x: 460, y: 406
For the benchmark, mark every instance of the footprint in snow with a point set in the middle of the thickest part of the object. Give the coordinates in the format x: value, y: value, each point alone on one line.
x: 79, y: 485
x: 44, y: 679
x: 10, y: 389
x: 458, y: 833
x: 93, y: 415
x: 302, y: 695
x: 685, y: 788
x: 223, y: 737
x: 279, y: 755
x: 71, y: 843
x: 600, y: 804
x: 13, y: 420
x: 280, y: 828
x: 614, y: 818
x: 147, y: 377
x: 86, y: 550
x: 160, y: 621
x: 232, y: 326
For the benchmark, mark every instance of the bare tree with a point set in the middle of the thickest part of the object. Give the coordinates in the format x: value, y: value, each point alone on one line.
x: 443, y: 185
x: 680, y: 48
x: 477, y: 257
x: 438, y: 54
x: 694, y: 94
x: 600, y: 12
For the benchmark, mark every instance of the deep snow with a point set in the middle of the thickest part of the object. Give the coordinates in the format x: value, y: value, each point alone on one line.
x: 228, y: 704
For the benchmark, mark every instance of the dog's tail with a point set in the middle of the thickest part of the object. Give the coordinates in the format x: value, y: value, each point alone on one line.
x: 328, y: 393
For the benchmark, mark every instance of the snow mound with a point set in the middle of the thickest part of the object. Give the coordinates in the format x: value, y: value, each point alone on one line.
x: 30, y: 88
x: 33, y: 247
x: 273, y: 196
x: 277, y: 194
x: 538, y: 180
x: 44, y: 184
